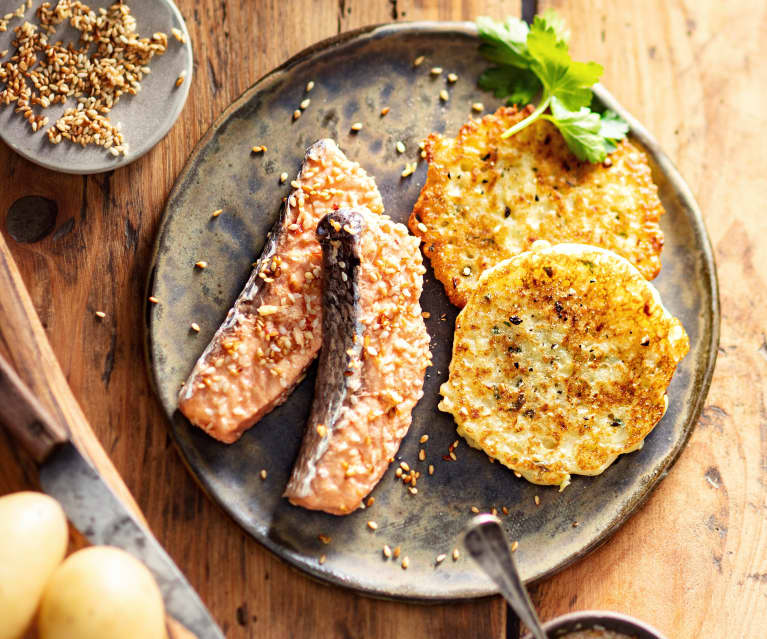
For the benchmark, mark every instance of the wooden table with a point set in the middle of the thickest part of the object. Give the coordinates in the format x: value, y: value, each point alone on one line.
x: 693, y: 561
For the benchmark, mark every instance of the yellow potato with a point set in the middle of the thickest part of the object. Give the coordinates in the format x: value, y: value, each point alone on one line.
x: 33, y: 540
x: 98, y: 593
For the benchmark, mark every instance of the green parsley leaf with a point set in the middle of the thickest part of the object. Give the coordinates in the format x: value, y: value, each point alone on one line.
x: 580, y: 129
x: 516, y: 86
x: 504, y: 43
x: 614, y: 128
x: 550, y: 19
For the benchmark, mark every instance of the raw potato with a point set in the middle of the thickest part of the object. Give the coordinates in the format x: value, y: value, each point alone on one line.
x: 33, y: 540
x: 101, y: 592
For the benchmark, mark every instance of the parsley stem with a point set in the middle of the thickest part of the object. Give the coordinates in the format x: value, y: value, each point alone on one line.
x: 529, y: 119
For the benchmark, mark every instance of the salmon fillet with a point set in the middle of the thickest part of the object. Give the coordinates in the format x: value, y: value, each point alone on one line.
x: 373, y: 360
x: 274, y: 330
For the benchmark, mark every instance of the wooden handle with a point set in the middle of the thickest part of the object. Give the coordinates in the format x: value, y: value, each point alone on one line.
x: 25, y: 418
x: 23, y: 339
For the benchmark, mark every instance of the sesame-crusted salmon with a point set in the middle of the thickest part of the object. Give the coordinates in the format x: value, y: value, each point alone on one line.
x: 373, y: 360
x: 274, y: 330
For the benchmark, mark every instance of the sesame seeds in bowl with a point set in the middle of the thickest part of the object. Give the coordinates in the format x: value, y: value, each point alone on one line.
x: 79, y: 81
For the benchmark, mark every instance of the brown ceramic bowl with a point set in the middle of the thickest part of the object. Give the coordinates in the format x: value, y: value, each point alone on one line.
x: 590, y: 619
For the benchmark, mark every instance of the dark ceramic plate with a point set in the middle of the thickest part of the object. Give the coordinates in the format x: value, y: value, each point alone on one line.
x: 355, y: 75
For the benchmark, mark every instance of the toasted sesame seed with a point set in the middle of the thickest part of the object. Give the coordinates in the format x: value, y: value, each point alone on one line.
x: 398, y: 472
x: 452, y: 456
x: 452, y: 77
x: 101, y: 314
x: 325, y: 539
x: 514, y: 546
x: 404, y: 466
x: 444, y: 96
x: 395, y: 553
x: 422, y: 454
x: 195, y: 327
x: 296, y: 114
x: 456, y: 554
x: 477, y: 106
x: 405, y: 563
x: 426, y: 314
x: 283, y: 178
x: 422, y: 227
x: 153, y: 299
x: 201, y: 264
x: 435, y: 70
x: 321, y: 430
x: 384, y: 111
x: 474, y: 509
x: 440, y: 558
x: 409, y: 169
x: 370, y: 501
x: 537, y: 500
x: 305, y: 103
x: 400, y: 147
x: 178, y: 34
x: 323, y: 558
x: 309, y: 85
x: 413, y: 490
x: 575, y: 524
x: 180, y: 78
x: 258, y: 149
x: 357, y: 126
x: 386, y: 551
x: 424, y: 439
x: 263, y: 473
x: 518, y: 475
x: 418, y: 61
x: 431, y: 469
x: 372, y: 525
x: 217, y: 212
x: 504, y: 510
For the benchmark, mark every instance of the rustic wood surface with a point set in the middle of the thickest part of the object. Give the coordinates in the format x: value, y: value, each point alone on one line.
x: 693, y: 561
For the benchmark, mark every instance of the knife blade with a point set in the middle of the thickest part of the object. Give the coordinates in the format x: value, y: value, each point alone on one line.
x: 91, y: 505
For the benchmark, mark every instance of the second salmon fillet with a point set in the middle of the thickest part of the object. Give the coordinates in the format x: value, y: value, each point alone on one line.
x: 274, y: 330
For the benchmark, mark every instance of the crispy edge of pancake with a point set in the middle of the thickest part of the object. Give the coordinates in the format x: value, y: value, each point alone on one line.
x: 558, y: 173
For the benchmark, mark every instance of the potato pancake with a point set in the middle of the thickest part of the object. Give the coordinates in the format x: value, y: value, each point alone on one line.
x: 487, y: 199
x: 561, y: 361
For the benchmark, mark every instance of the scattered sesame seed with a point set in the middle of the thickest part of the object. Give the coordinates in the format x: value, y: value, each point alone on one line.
x: 452, y: 456
x: 370, y: 501
x: 178, y: 34
x: 325, y: 539
x: 201, y: 264
x: 217, y: 212
x: 431, y: 469
x: 296, y: 114
x: 422, y: 454
x: 456, y: 554
x: 413, y: 490
x: 514, y: 546
x: 258, y: 149
x: 153, y: 299
x: 440, y: 558
x: 400, y: 147
x: 395, y: 553
x: 180, y: 78
x: 404, y: 466
x: 422, y: 227
x: 424, y: 439
x: 452, y: 77
x: 517, y: 474
x: 283, y: 178
x: 494, y: 511
x: 101, y: 314
x: 322, y: 559
x: 504, y: 510
x: 409, y: 169
x: 195, y: 327
x: 372, y: 525
x: 309, y: 85
x: 575, y: 524
x: 321, y: 430
x: 386, y: 551
x: 405, y: 563
x: 384, y: 111
x: 477, y: 106
x: 444, y: 96
x: 398, y: 472
x: 423, y: 154
x: 263, y: 473
x: 435, y: 70
x: 417, y: 62
x: 305, y: 103
x: 295, y: 184
x: 537, y: 500
x: 474, y: 509
x: 357, y: 126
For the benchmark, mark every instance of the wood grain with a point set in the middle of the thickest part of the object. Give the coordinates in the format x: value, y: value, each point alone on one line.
x: 693, y: 561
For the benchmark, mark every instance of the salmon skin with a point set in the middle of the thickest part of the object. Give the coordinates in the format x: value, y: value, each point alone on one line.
x: 374, y: 356
x: 274, y: 330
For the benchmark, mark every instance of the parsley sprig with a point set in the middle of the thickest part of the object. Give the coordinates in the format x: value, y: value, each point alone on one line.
x: 534, y: 60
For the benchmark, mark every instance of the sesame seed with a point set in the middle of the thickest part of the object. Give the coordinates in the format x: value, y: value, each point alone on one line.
x: 474, y: 509
x: 405, y: 563
x: 305, y: 103
x: 325, y: 539
x: 296, y: 114
x: 452, y: 456
x: 178, y: 34
x: 201, y: 264
x: 263, y: 473
x: 309, y: 85
x: 321, y: 430
x: 217, y: 212
x: 180, y: 78
x: 283, y: 178
x: 370, y: 501
x: 323, y: 558
x: 404, y: 466
x: 258, y: 149
x: 440, y: 558
x: 101, y: 314
x: 372, y: 525
x: 424, y: 439
x: 384, y: 111
x: 477, y: 106
x: 575, y: 524
x: 386, y: 551
x: 409, y: 169
x: 431, y: 469
x: 422, y: 454
x: 456, y: 554
x: 452, y: 77
x: 418, y: 61
x: 398, y: 472
x: 400, y: 147
x: 153, y: 299
x: 395, y: 553
x: 357, y: 126
x: 435, y: 70
x: 422, y: 227
x: 195, y: 327
x: 514, y: 546
x: 413, y: 490
x: 537, y: 500
x: 504, y: 510
x: 518, y: 475
x: 295, y: 184
x: 444, y: 96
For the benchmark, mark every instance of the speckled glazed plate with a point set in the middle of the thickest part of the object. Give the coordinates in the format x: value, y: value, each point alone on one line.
x: 355, y: 76
x: 145, y: 117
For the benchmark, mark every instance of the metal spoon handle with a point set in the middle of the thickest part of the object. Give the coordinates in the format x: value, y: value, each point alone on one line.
x: 486, y: 543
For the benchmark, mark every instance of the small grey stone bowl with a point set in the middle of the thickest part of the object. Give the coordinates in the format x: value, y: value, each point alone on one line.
x: 599, y: 619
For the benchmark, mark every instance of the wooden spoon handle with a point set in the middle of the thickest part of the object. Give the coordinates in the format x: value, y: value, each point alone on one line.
x: 23, y: 339
x: 25, y: 418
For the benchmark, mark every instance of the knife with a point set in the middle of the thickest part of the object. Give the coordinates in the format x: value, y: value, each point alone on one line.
x: 90, y: 504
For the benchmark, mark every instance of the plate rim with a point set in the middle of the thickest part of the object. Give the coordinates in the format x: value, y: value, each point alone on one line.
x: 637, y: 131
